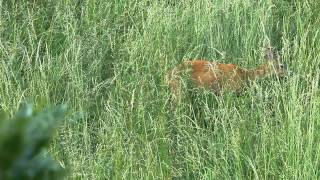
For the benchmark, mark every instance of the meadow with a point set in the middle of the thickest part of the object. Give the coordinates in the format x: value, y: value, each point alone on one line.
x: 107, y: 62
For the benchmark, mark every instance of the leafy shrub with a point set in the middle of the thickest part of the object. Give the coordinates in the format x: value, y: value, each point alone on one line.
x: 23, y: 140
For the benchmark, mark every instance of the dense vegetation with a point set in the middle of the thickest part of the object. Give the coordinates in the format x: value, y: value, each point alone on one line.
x: 107, y: 61
x: 23, y: 141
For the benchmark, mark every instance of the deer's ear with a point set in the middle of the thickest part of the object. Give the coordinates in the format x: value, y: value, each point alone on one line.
x: 268, y: 53
x: 271, y: 54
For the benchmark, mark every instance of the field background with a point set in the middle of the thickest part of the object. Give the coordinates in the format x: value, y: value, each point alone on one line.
x: 107, y: 60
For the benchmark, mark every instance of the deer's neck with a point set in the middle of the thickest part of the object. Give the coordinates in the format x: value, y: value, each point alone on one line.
x: 258, y: 73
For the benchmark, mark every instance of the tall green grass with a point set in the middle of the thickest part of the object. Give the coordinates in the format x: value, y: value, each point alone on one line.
x: 107, y: 61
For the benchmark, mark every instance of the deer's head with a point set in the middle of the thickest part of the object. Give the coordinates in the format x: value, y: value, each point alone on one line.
x: 275, y: 64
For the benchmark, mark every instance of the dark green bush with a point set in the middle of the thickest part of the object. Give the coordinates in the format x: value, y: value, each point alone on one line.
x: 23, y: 142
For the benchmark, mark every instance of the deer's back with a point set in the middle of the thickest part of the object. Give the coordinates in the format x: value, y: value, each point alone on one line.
x: 214, y: 75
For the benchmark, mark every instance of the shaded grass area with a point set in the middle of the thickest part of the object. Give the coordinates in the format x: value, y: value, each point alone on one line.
x: 107, y: 61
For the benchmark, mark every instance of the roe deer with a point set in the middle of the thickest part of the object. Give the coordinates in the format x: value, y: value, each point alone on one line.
x: 220, y: 77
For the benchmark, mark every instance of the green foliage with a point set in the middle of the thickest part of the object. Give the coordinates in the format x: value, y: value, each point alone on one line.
x: 107, y: 60
x: 23, y: 140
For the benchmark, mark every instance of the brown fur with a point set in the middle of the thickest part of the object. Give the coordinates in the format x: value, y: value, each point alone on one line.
x: 220, y: 77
